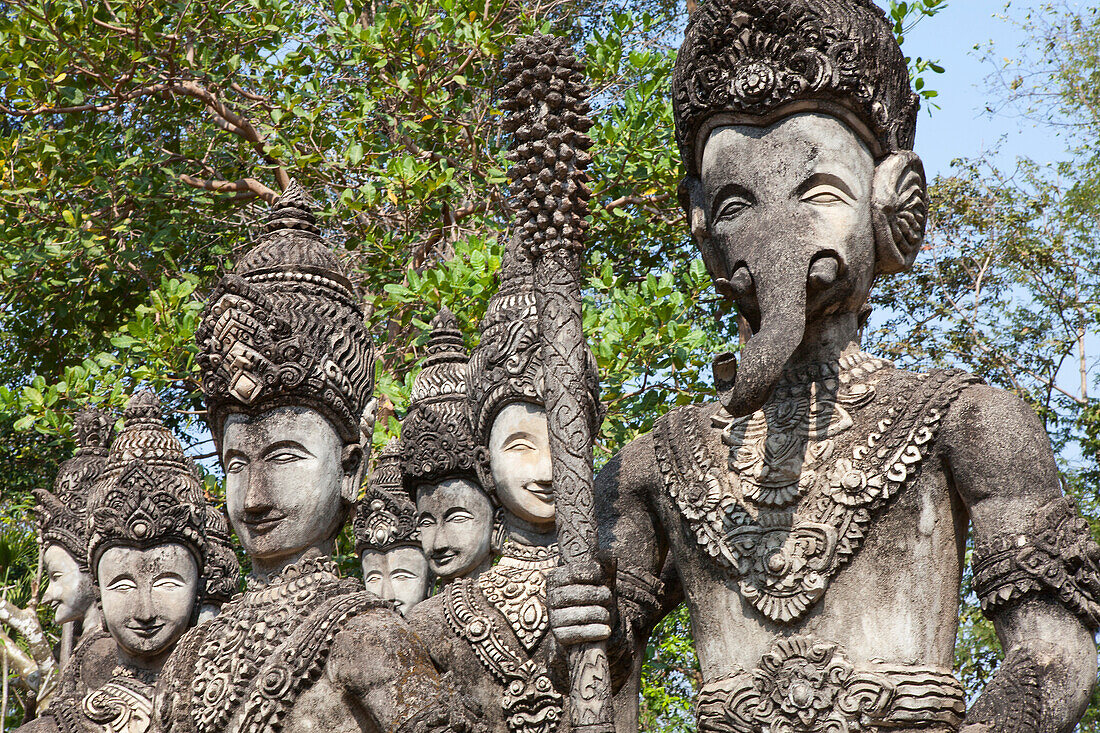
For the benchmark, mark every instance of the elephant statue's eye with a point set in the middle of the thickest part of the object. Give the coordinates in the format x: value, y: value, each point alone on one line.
x: 732, y: 208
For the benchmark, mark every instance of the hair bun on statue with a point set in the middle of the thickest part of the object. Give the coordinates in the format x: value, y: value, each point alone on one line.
x: 384, y: 517
x: 437, y: 440
x: 759, y: 60
x: 61, y: 513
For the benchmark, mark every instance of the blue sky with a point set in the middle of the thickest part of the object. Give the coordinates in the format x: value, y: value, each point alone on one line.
x: 961, y: 127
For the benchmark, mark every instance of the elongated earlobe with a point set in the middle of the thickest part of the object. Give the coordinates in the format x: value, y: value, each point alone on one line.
x: 693, y: 202
x: 899, y: 211
x: 352, y: 462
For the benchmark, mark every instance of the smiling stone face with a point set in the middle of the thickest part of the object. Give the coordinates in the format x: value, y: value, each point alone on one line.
x: 148, y: 596
x: 519, y: 457
x: 69, y: 589
x: 285, y: 480
x: 456, y: 525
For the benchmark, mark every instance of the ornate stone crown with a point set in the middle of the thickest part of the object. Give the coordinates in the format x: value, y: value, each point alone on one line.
x: 437, y: 440
x: 506, y: 366
x: 287, y: 328
x: 759, y: 60
x: 150, y: 493
x: 384, y: 517
x: 62, y: 517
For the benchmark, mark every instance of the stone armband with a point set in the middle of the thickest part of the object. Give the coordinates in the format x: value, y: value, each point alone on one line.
x: 639, y: 593
x: 1056, y: 557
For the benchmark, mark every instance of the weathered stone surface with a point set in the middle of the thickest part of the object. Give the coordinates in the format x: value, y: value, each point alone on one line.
x: 816, y: 514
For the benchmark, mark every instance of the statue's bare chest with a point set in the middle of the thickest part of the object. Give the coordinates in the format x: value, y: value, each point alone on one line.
x: 783, y: 499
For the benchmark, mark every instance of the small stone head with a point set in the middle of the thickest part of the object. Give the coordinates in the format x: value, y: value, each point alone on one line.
x: 147, y: 537
x: 288, y: 370
x: 796, y: 128
x: 62, y: 520
x: 440, y: 459
x: 386, y: 536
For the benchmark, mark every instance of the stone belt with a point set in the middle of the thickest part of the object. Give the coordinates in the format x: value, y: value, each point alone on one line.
x: 807, y: 686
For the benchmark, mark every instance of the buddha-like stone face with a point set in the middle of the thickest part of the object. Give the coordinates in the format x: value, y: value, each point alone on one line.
x: 456, y: 526
x: 288, y: 476
x: 788, y: 212
x: 69, y: 588
x: 400, y: 575
x: 519, y: 459
x: 148, y: 596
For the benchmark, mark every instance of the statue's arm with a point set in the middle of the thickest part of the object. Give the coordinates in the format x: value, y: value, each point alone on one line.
x: 380, y: 663
x: 1035, y: 564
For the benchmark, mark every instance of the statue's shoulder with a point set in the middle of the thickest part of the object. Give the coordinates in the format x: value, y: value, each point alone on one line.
x: 637, y: 464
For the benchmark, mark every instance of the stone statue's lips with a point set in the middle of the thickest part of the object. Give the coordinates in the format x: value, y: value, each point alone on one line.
x: 263, y: 523
x: 146, y: 631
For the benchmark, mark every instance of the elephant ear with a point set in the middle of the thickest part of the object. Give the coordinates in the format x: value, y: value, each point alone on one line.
x: 899, y: 211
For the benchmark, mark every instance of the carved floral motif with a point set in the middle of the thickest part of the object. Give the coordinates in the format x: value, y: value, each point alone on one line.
x: 807, y: 685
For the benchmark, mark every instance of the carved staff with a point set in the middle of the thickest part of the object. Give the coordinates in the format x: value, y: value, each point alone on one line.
x: 546, y: 95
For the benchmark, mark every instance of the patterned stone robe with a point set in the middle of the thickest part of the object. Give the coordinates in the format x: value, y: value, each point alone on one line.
x: 245, y: 669
x: 763, y: 514
x: 491, y: 634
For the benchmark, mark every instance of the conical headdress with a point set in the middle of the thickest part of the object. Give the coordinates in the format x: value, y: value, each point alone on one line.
x: 753, y: 61
x: 287, y: 328
x: 384, y: 517
x: 506, y: 366
x: 62, y: 517
x: 437, y: 441
x: 150, y: 494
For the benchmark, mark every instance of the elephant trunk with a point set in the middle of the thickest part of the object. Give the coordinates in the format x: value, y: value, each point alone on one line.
x: 780, y: 286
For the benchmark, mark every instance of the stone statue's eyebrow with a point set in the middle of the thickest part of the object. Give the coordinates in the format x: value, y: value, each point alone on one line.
x: 822, y: 177
x: 283, y: 444
x: 725, y: 192
x: 455, y: 509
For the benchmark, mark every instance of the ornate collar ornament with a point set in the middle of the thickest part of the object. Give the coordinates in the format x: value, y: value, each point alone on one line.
x: 783, y: 498
x: 385, y: 518
x: 148, y: 495
x: 756, y: 61
x: 511, y: 594
x: 287, y: 328
x: 62, y: 517
x: 437, y: 440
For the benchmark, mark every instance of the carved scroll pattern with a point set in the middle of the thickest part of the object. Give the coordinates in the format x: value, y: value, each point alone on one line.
x: 530, y: 702
x: 120, y: 706
x: 1057, y: 556
x: 784, y: 553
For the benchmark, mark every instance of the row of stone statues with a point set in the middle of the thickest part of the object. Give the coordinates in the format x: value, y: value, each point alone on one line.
x: 813, y: 518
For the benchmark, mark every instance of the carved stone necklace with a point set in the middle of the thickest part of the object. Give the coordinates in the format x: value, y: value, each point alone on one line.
x: 516, y: 586
x: 786, y: 498
x: 514, y: 589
